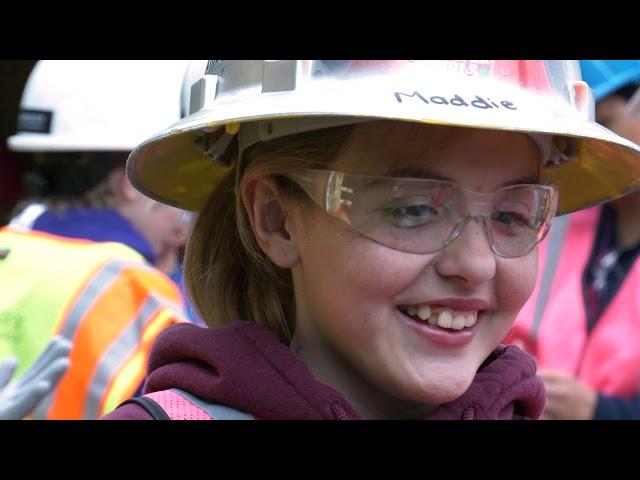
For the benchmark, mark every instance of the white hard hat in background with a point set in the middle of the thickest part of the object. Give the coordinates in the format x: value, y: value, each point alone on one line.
x: 97, y: 105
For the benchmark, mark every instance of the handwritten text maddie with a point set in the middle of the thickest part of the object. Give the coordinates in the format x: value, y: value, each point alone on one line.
x: 458, y: 101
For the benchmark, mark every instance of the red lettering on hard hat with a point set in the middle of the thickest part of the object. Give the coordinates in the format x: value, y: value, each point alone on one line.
x: 580, y: 90
x: 458, y: 67
x: 463, y: 67
x: 529, y: 74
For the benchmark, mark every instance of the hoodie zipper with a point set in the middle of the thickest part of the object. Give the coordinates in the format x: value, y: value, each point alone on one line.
x: 338, y: 411
x: 469, y: 413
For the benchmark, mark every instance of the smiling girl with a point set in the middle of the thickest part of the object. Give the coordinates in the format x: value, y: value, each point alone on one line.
x: 360, y: 254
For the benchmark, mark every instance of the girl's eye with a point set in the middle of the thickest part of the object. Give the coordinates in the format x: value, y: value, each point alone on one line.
x: 412, y: 215
x: 510, y: 219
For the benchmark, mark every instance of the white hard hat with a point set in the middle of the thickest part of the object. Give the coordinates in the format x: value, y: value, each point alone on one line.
x: 195, y: 71
x: 97, y: 105
x: 250, y: 101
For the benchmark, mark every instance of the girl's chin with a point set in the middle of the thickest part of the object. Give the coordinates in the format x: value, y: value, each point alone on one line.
x: 439, y: 390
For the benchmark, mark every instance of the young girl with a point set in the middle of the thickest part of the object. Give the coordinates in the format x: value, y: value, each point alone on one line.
x: 367, y: 234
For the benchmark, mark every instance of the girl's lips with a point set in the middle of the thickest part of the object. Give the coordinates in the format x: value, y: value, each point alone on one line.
x: 457, y: 304
x: 442, y: 336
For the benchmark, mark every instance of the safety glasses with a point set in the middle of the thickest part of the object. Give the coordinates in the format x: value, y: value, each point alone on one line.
x: 418, y: 215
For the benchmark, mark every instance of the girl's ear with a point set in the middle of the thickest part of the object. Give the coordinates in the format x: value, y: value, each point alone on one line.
x: 268, y: 215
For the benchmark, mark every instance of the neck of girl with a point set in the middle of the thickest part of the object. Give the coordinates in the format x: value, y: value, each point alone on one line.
x: 331, y: 368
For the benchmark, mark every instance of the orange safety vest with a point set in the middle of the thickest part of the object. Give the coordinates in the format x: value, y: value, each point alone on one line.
x: 553, y: 323
x: 100, y: 295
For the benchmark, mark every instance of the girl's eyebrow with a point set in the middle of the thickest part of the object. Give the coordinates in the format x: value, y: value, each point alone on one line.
x: 527, y: 180
x: 413, y: 172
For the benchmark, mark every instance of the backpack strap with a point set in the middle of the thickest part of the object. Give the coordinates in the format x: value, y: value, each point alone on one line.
x: 150, y: 406
x: 176, y: 404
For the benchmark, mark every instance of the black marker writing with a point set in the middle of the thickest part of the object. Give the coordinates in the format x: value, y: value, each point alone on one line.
x: 477, y: 102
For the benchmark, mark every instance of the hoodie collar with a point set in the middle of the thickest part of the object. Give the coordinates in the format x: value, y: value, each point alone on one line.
x: 506, y: 387
x: 246, y: 366
x: 243, y: 365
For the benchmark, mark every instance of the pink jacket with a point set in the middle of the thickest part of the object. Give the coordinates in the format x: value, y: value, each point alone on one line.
x: 555, y: 332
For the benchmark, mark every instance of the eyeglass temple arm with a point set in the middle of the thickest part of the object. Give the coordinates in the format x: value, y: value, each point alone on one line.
x: 314, y: 183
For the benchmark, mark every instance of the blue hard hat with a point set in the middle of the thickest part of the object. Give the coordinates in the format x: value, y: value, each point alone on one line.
x: 607, y: 76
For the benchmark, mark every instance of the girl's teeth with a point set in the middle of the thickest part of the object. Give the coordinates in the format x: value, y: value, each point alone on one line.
x: 469, y: 320
x: 458, y: 322
x: 424, y: 312
x: 445, y: 319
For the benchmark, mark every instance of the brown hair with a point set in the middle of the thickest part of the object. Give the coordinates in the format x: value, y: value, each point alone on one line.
x: 227, y: 275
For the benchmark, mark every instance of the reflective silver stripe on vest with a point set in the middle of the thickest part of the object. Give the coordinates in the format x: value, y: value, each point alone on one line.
x: 26, y: 219
x: 101, y: 279
x: 215, y: 411
x: 122, y: 348
x: 556, y: 240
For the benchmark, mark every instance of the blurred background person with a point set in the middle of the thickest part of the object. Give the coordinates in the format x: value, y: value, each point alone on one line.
x: 582, y: 323
x: 13, y: 76
x: 80, y: 250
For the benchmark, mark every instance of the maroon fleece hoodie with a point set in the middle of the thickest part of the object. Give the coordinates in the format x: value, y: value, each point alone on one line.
x: 245, y: 366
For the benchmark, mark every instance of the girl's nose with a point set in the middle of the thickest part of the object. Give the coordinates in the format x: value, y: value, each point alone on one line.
x: 469, y: 257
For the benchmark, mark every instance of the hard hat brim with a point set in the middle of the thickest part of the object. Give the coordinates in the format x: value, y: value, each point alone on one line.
x: 169, y: 168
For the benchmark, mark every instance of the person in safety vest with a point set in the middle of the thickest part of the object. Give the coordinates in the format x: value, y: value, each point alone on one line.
x: 367, y: 234
x: 82, y: 248
x: 582, y: 324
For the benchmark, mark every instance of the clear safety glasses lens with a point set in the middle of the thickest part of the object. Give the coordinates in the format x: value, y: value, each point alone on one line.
x: 423, y: 216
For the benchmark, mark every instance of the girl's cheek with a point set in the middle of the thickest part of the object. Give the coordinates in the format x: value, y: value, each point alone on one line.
x: 352, y: 264
x: 381, y: 271
x: 517, y: 281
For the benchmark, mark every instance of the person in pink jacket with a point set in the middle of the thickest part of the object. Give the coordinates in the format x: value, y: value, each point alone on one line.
x: 583, y: 322
x: 367, y: 234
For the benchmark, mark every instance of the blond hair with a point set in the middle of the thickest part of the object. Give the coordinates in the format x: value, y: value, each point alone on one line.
x: 227, y: 275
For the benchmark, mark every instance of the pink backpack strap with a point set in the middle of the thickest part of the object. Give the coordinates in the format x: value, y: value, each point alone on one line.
x: 176, y: 404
